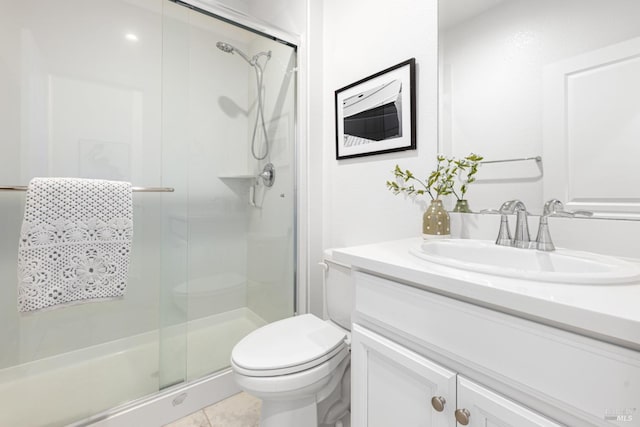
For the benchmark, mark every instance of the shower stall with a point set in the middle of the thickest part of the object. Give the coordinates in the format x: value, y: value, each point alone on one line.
x: 166, y: 94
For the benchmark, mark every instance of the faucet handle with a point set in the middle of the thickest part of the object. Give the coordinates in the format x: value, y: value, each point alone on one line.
x: 554, y: 207
x: 563, y: 214
x: 582, y: 213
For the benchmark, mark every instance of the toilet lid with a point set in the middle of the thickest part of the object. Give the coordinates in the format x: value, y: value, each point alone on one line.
x: 287, y: 346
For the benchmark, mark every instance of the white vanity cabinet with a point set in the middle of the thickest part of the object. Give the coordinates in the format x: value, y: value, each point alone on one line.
x: 394, y: 386
x: 415, y: 352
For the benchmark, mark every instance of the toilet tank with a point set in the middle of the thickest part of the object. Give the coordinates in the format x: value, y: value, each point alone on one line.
x: 338, y: 291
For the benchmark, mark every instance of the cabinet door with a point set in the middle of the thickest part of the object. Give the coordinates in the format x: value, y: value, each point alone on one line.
x: 393, y: 386
x: 486, y: 408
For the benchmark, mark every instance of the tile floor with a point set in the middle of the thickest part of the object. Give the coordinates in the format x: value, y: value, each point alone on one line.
x: 240, y: 410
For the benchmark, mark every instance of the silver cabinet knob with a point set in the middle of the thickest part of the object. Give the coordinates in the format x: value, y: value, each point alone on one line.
x: 462, y: 416
x: 438, y: 403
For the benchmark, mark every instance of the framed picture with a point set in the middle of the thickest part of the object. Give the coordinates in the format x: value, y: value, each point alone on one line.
x: 377, y: 114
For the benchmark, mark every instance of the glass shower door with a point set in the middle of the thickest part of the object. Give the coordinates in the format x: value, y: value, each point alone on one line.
x: 228, y: 112
x: 81, y: 85
x: 137, y: 90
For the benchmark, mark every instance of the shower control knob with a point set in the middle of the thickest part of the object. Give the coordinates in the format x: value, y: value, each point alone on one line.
x: 268, y: 174
x: 438, y: 403
x: 462, y: 416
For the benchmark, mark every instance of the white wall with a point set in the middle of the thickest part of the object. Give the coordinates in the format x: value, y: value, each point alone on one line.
x: 492, y: 85
x: 362, y: 37
x: 290, y: 16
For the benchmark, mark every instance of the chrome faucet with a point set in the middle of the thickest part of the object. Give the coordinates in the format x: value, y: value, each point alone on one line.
x: 553, y: 207
x: 521, y: 237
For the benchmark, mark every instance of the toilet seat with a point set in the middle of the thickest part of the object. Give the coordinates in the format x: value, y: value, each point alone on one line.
x: 288, y: 346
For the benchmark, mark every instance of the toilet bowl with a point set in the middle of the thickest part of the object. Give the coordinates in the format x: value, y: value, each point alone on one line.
x: 300, y: 366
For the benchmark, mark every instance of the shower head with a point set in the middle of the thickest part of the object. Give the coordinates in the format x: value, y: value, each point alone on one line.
x: 258, y: 67
x: 226, y: 47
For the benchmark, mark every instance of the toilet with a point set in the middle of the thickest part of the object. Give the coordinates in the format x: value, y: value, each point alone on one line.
x: 300, y: 366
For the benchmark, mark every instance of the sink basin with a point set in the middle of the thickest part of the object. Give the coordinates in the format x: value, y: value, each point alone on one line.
x: 561, y: 265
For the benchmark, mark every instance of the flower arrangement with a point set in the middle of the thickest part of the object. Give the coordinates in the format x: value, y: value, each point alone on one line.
x: 442, y: 181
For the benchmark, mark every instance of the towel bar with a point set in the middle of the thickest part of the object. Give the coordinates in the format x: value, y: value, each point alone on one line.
x: 536, y: 158
x: 137, y: 189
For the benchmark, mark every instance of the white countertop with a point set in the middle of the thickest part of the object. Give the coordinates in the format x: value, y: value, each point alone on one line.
x: 609, y: 313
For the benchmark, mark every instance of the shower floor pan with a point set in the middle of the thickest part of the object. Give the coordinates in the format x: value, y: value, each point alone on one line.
x: 62, y: 389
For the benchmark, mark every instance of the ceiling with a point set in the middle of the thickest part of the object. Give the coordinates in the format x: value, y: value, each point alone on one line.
x: 452, y: 12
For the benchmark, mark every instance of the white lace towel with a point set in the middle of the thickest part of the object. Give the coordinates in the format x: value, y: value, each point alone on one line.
x: 74, y: 243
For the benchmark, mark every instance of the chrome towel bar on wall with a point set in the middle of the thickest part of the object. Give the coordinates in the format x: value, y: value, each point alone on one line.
x: 522, y: 159
x: 136, y: 189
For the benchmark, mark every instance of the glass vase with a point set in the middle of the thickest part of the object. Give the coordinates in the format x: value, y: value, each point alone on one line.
x: 435, y: 221
x: 462, y: 206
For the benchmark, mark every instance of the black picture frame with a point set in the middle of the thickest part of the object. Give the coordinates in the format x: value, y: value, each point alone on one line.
x: 377, y: 114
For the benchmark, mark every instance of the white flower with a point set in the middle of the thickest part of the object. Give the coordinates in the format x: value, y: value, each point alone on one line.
x: 90, y: 271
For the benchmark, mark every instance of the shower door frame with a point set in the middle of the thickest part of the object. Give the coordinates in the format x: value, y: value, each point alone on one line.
x: 217, y: 10
x: 185, y: 398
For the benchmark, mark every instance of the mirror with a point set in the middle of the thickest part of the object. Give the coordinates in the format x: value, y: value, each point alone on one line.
x: 555, y: 80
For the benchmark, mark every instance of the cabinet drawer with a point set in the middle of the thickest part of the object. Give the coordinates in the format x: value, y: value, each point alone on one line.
x: 579, y: 375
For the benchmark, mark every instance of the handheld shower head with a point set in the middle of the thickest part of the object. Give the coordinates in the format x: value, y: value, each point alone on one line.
x: 225, y: 47
x: 259, y: 72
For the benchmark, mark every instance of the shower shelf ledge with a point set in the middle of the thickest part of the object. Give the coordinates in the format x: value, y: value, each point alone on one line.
x: 239, y: 183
